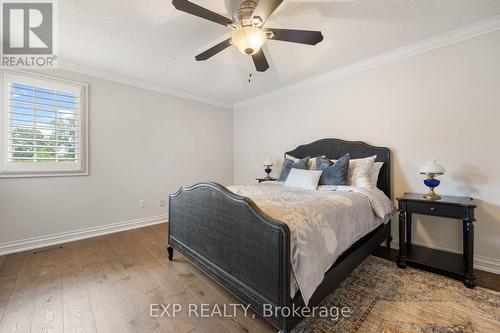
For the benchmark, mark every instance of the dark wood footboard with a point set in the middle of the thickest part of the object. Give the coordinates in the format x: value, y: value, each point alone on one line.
x: 234, y: 242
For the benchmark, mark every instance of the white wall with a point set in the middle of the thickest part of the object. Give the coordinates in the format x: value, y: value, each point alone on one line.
x: 143, y: 145
x: 444, y: 103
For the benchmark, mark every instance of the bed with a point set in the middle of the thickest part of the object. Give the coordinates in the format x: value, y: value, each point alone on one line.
x: 248, y: 252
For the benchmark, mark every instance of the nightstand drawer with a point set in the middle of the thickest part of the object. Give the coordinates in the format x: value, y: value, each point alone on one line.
x: 435, y: 209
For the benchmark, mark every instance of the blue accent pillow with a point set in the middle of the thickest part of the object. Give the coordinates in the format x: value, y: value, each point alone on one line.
x: 288, y: 164
x: 333, y: 173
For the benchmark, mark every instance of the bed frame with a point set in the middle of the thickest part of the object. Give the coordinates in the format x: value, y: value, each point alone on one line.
x: 248, y: 252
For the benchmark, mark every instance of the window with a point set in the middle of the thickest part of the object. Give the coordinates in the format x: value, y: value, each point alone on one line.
x: 43, y: 126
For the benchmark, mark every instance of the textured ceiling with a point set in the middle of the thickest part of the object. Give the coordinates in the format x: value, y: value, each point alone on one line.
x: 150, y: 41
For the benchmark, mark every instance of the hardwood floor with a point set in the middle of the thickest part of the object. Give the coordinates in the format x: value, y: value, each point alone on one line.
x: 106, y: 284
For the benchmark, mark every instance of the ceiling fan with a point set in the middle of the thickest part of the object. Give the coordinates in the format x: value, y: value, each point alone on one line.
x: 248, y: 34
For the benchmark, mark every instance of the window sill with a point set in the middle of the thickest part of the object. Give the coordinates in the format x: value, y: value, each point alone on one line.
x: 42, y: 174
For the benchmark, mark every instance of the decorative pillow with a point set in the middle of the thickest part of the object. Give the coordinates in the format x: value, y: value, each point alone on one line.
x: 360, y: 171
x: 305, y: 179
x: 375, y: 172
x: 310, y: 165
x: 288, y: 165
x: 334, y: 173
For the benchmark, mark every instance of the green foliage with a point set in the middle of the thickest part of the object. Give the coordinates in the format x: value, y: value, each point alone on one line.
x: 53, y: 145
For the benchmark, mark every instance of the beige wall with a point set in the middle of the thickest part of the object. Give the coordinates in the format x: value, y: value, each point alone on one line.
x: 444, y: 103
x: 143, y: 145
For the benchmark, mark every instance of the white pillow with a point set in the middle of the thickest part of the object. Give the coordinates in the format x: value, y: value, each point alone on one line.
x: 360, y: 171
x: 375, y: 172
x: 306, y: 179
x: 311, y: 165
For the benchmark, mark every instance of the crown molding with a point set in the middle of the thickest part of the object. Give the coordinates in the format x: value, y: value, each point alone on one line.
x: 438, y: 41
x: 129, y: 81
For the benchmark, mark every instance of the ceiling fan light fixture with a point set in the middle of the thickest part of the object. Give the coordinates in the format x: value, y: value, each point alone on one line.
x: 248, y: 40
x: 249, y: 34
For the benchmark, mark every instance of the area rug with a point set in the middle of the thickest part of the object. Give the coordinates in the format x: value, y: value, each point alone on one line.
x: 383, y: 298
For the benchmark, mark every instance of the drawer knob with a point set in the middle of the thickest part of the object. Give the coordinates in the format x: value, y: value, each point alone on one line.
x: 433, y: 209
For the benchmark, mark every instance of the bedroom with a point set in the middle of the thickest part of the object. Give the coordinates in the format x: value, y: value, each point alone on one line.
x: 83, y: 239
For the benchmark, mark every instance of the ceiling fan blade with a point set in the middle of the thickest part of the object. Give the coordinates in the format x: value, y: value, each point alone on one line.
x: 297, y: 36
x: 193, y: 9
x: 213, y: 50
x: 264, y: 9
x: 260, y: 61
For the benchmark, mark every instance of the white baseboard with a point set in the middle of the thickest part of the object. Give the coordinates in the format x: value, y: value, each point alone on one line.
x: 486, y: 264
x: 70, y: 236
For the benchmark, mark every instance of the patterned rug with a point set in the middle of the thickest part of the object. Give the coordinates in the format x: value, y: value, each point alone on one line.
x: 384, y: 298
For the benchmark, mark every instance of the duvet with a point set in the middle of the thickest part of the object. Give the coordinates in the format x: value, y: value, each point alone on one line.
x: 323, y: 223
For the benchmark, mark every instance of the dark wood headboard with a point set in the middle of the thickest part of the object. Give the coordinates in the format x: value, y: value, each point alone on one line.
x: 335, y: 148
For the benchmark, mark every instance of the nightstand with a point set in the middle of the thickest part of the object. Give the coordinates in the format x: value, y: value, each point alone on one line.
x: 260, y: 180
x: 458, y: 266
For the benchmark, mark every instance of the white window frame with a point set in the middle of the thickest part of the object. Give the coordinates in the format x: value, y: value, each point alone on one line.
x: 43, y: 169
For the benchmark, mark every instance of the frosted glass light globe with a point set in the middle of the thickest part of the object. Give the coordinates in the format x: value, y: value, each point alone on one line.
x: 431, y: 167
x: 248, y: 40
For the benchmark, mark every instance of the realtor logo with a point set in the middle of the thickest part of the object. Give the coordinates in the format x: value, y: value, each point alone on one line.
x: 28, y: 34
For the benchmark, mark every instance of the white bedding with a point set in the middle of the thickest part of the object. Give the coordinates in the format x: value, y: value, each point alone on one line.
x: 323, y: 223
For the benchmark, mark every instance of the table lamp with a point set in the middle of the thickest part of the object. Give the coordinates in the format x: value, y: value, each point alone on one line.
x: 268, y: 164
x: 431, y: 169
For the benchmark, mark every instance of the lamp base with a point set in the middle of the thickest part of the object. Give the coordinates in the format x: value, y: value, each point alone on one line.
x: 268, y: 171
x: 431, y: 182
x: 432, y: 195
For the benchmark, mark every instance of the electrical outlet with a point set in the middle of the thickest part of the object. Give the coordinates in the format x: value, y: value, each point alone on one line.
x: 142, y: 203
x: 162, y: 202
